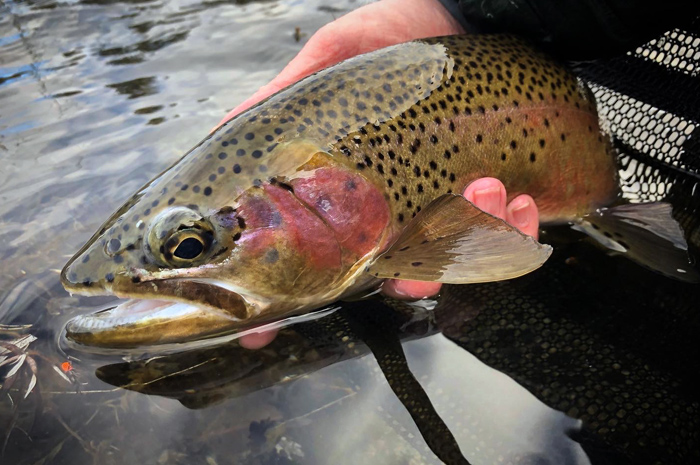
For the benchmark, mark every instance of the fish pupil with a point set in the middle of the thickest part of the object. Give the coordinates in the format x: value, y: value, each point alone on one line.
x: 189, y: 249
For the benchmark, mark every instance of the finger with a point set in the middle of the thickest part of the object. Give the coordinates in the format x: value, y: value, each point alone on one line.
x: 258, y: 340
x: 522, y: 213
x: 412, y: 290
x: 489, y: 194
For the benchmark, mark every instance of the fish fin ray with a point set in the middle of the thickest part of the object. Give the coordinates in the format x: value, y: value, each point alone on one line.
x: 646, y: 233
x: 453, y: 241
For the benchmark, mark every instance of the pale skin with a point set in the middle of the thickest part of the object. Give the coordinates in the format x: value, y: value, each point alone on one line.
x: 369, y: 28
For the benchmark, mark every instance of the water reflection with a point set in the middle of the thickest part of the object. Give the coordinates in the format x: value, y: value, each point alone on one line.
x: 488, y: 415
x: 136, y: 87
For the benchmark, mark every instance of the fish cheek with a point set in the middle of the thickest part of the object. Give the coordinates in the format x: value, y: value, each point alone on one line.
x: 285, y: 248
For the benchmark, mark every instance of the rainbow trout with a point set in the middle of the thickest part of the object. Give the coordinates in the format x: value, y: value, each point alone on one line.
x: 345, y: 178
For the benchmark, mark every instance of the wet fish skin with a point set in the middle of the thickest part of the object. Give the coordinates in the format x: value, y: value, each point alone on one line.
x: 291, y: 199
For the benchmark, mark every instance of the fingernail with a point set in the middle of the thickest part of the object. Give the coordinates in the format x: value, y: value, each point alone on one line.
x: 488, y: 199
x: 521, y: 214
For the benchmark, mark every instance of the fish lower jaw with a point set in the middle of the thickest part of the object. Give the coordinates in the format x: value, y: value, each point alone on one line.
x: 141, y: 323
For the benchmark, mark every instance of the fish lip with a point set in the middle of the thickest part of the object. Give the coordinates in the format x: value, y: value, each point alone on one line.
x: 175, y: 318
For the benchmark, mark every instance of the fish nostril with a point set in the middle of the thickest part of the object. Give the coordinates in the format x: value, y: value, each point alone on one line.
x: 113, y: 246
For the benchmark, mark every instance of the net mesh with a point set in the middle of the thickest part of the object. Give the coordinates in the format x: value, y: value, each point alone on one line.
x: 649, y: 100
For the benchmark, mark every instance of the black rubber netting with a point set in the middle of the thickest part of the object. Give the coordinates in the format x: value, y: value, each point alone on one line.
x: 650, y: 101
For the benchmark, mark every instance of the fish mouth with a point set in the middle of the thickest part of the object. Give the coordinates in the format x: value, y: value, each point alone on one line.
x: 199, y: 310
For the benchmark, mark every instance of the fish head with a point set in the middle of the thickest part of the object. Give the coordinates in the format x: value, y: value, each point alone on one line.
x: 203, y: 262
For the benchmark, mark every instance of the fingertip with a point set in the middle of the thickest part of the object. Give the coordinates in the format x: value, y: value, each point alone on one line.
x: 489, y: 194
x: 258, y: 340
x: 522, y: 213
x: 410, y: 290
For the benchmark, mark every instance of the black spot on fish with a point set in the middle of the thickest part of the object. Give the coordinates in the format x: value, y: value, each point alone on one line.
x: 272, y: 256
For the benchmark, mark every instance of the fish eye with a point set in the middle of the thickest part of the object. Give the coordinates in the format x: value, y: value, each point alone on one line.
x: 185, y: 245
x: 189, y: 249
x: 179, y: 238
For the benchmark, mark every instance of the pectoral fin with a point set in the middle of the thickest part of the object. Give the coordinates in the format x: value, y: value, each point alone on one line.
x: 452, y: 241
x: 646, y: 233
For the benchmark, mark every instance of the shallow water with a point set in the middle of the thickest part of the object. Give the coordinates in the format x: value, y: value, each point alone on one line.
x: 97, y: 97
